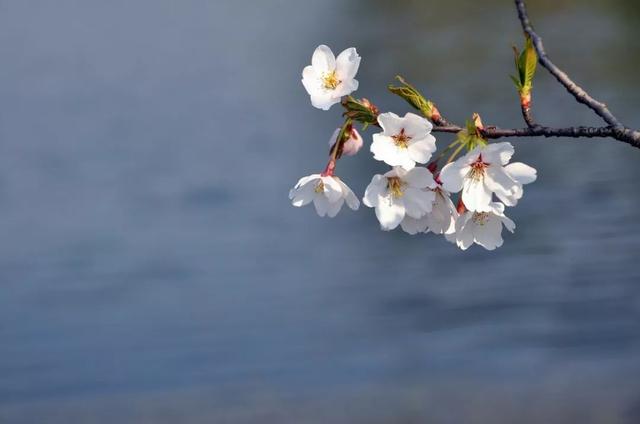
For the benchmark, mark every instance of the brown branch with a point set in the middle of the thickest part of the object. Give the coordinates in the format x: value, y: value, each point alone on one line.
x: 536, y: 131
x: 614, y: 130
x: 527, y: 116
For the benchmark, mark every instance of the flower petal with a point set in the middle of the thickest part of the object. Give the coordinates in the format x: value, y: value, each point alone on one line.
x: 464, y: 231
x: 489, y: 233
x: 414, y: 226
x: 452, y: 176
x: 334, y: 208
x: 381, y: 146
x: 390, y: 212
x: 347, y: 64
x: 497, y: 153
x: 304, y: 180
x: 345, y: 88
x: 390, y: 123
x: 475, y: 195
x: 419, y: 177
x: 506, y: 188
x: 323, y: 101
x: 349, y: 196
x: 332, y: 189
x: 322, y: 205
x: 385, y: 150
x: 416, y: 126
x: 374, y: 190
x: 417, y: 202
x: 442, y: 216
x: 524, y: 174
x: 323, y: 59
x: 302, y: 196
x: 422, y: 149
x: 311, y: 80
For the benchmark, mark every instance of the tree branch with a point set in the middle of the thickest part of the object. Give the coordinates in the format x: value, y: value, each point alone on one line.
x: 537, y: 131
x: 614, y: 130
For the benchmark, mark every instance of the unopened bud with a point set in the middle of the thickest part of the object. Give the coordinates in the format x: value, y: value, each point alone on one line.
x: 351, y: 145
x: 477, y: 121
x: 373, y: 108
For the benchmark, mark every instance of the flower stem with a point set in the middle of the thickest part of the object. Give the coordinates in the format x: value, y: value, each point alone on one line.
x: 455, y: 153
x: 446, y: 149
x: 336, y: 150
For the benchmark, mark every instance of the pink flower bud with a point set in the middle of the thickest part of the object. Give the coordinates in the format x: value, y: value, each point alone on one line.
x: 351, y: 146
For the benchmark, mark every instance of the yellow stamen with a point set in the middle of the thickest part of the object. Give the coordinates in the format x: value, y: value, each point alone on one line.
x: 395, y: 185
x: 477, y: 170
x: 480, y: 218
x: 330, y: 80
x: 320, y: 187
x: 401, y: 140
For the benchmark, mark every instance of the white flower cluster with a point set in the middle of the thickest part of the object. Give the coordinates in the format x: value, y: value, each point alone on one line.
x: 409, y: 195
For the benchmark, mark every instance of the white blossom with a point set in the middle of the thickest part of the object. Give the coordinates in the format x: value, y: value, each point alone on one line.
x: 441, y: 219
x: 403, y: 141
x: 483, y: 228
x: 352, y: 145
x: 400, y: 193
x: 482, y: 172
x: 328, y: 78
x: 328, y: 194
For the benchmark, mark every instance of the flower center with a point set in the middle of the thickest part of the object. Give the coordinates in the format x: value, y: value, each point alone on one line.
x: 330, y: 80
x: 320, y: 187
x: 401, y: 140
x: 477, y: 169
x: 395, y: 185
x: 480, y: 218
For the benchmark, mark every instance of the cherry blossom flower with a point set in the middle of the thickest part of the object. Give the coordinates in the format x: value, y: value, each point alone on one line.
x: 482, y: 172
x: 328, y: 78
x: 328, y: 194
x: 404, y: 141
x: 351, y: 146
x: 400, y: 193
x: 441, y: 219
x: 483, y: 228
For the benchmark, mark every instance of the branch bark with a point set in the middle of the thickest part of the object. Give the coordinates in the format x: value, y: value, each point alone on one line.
x: 614, y: 130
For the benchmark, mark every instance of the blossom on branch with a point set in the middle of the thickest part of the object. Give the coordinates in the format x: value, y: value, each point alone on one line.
x: 440, y: 220
x: 484, y: 171
x: 400, y: 193
x: 328, y: 78
x: 403, y: 141
x: 328, y: 194
x: 483, y: 228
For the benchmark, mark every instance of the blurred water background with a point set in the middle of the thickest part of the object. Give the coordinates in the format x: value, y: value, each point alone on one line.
x: 152, y: 269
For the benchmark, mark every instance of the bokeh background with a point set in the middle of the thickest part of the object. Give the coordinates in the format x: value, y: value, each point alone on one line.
x: 152, y: 269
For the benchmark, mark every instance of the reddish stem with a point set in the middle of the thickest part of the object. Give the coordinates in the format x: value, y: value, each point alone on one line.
x: 331, y: 166
x: 461, y: 207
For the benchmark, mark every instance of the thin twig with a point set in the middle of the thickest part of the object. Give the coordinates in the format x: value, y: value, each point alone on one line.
x: 528, y: 117
x: 537, y: 131
x: 576, y: 91
x: 614, y: 130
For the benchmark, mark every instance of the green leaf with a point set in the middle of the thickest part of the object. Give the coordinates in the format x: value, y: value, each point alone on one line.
x: 526, y: 63
x: 470, y: 136
x: 412, y: 96
x: 530, y: 63
x: 516, y: 82
x: 360, y: 110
